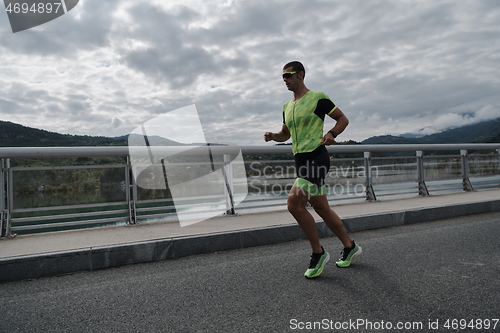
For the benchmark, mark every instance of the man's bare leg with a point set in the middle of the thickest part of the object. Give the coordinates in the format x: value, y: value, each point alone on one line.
x: 297, y: 201
x: 331, y: 219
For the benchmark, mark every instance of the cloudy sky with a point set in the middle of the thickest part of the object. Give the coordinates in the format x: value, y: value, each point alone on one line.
x: 393, y: 67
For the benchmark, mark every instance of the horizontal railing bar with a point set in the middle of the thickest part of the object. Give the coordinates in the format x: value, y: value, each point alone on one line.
x: 178, y: 207
x: 407, y: 191
x: 65, y: 152
x: 207, y: 163
x: 217, y: 196
x: 382, y: 194
x: 153, y: 216
x: 196, y: 212
x: 68, y: 167
x: 440, y: 188
x: 358, y: 197
x: 259, y: 180
x: 43, y: 209
x: 152, y: 209
x: 138, y: 151
x: 156, y: 216
x: 483, y: 181
x: 444, y: 189
x: 270, y: 161
x: 457, y: 182
x: 142, y: 217
x: 180, y: 199
x: 374, y: 148
x: 67, y: 224
x: 263, y: 206
x: 432, y: 157
x: 382, y: 187
x: 333, y: 196
x: 273, y: 204
x: 64, y: 216
x: 185, y: 205
x: 401, y: 184
x: 154, y: 201
x: 200, y: 204
x: 457, y: 190
x: 270, y: 198
x: 412, y: 188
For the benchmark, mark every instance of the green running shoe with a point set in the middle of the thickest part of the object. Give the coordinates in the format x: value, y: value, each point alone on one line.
x: 318, y: 261
x: 348, y: 255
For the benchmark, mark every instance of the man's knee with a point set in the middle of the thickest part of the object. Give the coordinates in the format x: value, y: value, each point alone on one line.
x: 297, y: 200
x: 294, y: 205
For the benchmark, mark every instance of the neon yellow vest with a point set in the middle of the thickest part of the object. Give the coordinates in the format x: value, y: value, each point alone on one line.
x: 305, y: 119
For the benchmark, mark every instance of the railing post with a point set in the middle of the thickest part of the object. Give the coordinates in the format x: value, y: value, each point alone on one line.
x: 227, y: 171
x: 2, y: 198
x: 370, y: 193
x: 422, y: 187
x: 135, y: 198
x: 132, y: 218
x: 467, y: 186
x: 10, y: 202
x: 498, y: 152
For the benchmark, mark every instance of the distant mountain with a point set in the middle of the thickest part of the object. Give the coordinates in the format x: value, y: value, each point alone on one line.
x: 494, y: 139
x: 15, y: 135
x: 411, y: 135
x: 389, y: 140
x: 487, y: 131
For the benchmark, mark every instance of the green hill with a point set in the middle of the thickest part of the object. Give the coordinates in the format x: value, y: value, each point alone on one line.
x: 494, y: 139
x: 15, y: 135
x: 487, y: 131
x: 389, y: 140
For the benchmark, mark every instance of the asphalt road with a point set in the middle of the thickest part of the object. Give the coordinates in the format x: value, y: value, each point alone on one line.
x: 408, y: 279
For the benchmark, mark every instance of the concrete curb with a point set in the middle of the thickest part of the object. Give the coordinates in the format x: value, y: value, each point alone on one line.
x: 88, y: 259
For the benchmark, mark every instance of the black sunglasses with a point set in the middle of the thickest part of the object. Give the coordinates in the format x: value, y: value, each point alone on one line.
x: 288, y: 75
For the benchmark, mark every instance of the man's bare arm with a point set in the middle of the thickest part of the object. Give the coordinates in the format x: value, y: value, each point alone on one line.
x: 340, y: 125
x: 281, y: 136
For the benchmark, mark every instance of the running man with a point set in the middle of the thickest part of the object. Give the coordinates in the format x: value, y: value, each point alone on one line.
x: 303, y: 121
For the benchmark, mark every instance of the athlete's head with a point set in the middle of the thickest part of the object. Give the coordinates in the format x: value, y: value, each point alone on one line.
x: 293, y: 75
x: 296, y: 67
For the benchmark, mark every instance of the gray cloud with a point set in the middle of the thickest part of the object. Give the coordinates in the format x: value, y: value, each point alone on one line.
x: 86, y: 27
x: 393, y: 67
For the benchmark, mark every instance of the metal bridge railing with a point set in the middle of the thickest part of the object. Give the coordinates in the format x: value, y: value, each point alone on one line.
x: 366, y: 178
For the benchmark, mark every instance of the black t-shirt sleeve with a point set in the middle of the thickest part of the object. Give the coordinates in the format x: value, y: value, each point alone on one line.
x: 324, y: 107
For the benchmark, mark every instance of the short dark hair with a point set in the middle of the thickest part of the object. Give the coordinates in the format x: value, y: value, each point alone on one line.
x: 296, y: 66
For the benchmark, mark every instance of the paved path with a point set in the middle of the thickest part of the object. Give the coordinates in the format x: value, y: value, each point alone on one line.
x: 418, y: 274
